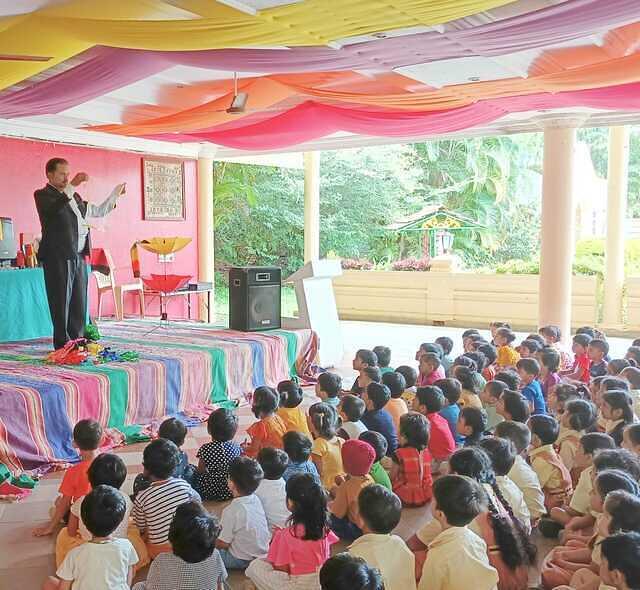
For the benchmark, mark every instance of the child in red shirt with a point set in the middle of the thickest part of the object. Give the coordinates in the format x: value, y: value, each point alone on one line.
x: 428, y: 402
x: 582, y: 363
x: 87, y: 436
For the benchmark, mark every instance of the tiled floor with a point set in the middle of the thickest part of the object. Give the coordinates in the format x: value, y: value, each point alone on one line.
x: 25, y: 561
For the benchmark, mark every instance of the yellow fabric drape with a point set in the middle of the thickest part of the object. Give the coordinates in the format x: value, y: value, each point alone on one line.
x: 60, y: 32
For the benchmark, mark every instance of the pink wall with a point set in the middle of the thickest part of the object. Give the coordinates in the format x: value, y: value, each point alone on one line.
x: 23, y: 163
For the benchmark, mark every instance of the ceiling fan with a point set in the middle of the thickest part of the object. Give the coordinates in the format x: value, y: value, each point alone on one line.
x: 10, y: 57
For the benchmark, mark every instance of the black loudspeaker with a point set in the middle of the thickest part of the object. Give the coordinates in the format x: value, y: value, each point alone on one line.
x: 254, y: 298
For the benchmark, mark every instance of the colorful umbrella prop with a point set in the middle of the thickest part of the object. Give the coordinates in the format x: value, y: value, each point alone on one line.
x: 165, y: 283
x: 164, y: 245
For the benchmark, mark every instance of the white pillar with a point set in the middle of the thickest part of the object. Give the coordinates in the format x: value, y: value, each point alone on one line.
x: 557, y: 232
x: 205, y: 228
x: 311, y: 206
x: 616, y: 213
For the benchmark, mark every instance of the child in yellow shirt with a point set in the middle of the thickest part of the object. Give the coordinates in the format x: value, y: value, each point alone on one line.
x: 508, y: 356
x: 327, y: 446
x: 290, y: 412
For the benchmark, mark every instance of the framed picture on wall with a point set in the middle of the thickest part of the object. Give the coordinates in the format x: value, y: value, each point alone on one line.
x: 163, y: 189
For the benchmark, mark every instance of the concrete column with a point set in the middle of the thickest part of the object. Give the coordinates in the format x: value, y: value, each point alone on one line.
x: 205, y: 228
x: 557, y: 232
x: 616, y: 213
x: 311, y: 206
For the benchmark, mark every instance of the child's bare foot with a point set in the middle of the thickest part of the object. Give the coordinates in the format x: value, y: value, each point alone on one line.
x: 43, y: 531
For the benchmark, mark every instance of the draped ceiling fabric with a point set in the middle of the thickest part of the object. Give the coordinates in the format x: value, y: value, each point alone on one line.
x: 390, y: 68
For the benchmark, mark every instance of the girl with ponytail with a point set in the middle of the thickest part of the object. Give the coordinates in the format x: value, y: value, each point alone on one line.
x: 326, y: 452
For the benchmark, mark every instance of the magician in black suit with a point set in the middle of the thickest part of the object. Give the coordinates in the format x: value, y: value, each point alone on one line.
x: 65, y: 245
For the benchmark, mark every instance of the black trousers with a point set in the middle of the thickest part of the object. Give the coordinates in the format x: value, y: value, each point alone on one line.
x: 66, y: 284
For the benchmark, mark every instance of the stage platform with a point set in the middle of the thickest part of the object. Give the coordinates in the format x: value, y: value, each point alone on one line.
x: 183, y: 371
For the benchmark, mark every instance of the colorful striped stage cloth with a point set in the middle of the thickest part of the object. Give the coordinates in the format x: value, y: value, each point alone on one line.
x: 183, y: 371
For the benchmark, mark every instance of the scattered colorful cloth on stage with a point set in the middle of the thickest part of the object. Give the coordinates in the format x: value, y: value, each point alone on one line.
x: 181, y: 371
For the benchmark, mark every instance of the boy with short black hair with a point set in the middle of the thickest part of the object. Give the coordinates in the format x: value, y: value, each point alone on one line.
x: 457, y: 558
x: 379, y: 445
x: 597, y: 352
x: 620, y: 565
x: 447, y: 346
x: 376, y: 417
x: 452, y: 390
x: 513, y: 406
x: 529, y: 371
x: 298, y: 447
x: 87, y: 436
x: 554, y: 477
x: 428, y: 402
x: 521, y: 473
x: 363, y: 358
x: 348, y: 572
x: 384, y: 358
x: 328, y: 388
x: 410, y: 377
x: 369, y: 375
x: 396, y: 406
x: 245, y: 533
x: 490, y: 396
x: 351, y: 410
x: 272, y: 489
x: 105, y: 562
x: 154, y: 507
x: 379, y: 513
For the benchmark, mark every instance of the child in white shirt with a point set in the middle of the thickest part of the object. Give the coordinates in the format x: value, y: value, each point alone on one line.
x: 272, y: 489
x: 351, y: 410
x: 245, y: 532
x: 457, y: 557
x: 105, y: 562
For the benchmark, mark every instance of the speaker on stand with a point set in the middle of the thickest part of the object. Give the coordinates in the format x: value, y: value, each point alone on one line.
x: 254, y: 298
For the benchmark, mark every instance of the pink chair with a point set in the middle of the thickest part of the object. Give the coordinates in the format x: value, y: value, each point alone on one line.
x: 107, y: 282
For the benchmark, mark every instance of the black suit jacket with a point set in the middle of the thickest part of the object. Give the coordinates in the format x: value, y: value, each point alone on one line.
x: 59, y: 224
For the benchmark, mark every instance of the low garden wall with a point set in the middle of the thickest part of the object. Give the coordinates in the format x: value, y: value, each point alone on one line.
x: 455, y: 299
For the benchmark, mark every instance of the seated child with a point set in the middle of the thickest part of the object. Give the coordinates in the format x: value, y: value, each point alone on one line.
x: 470, y: 391
x: 290, y: 411
x: 508, y: 356
x: 384, y: 358
x: 451, y: 389
x: 347, y: 572
x: 87, y: 436
x: 298, y: 447
x: 379, y: 513
x: 269, y: 429
x: 300, y: 549
x: 510, y: 378
x: 379, y: 444
x: 328, y: 388
x: 528, y: 349
x: 491, y: 355
x: 447, y: 346
x: 244, y: 533
x: 364, y: 358
x: 617, y: 411
x: 561, y: 396
x: 552, y: 336
x: 428, y: 402
x: 578, y: 417
x: 631, y: 438
x: 271, y: 491
x: 513, y: 406
x: 549, y: 366
x: 411, y: 471
x: 154, y: 507
x: 194, y: 560
x: 214, y: 457
x: 632, y: 375
x: 326, y: 450
x: 410, y: 378
x: 597, y: 352
x: 174, y: 430
x: 376, y: 418
x: 521, y: 473
x: 490, y: 396
x: 472, y: 424
x: 396, y: 406
x: 554, y: 477
x: 571, y: 516
x: 430, y: 369
x: 106, y: 469
x: 351, y: 410
x: 529, y: 370
x: 616, y: 366
x: 357, y: 458
x: 620, y: 565
x: 581, y: 363
x: 502, y: 453
x: 429, y: 347
x: 106, y: 562
x: 457, y: 557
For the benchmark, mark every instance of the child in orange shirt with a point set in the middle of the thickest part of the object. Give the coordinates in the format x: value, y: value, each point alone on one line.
x: 269, y: 429
x: 290, y: 411
x: 87, y: 436
x: 396, y: 406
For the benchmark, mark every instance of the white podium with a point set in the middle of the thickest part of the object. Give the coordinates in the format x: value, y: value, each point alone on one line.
x: 317, y: 307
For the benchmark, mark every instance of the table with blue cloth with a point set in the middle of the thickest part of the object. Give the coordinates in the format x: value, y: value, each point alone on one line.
x: 24, y: 311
